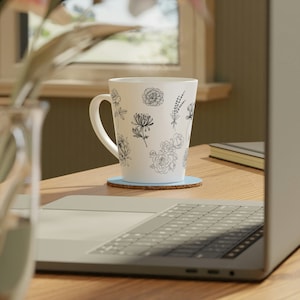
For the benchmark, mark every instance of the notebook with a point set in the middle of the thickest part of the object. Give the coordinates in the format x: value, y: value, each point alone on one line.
x: 116, y: 235
x: 249, y: 154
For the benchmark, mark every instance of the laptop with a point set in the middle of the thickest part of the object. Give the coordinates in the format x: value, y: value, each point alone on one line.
x: 236, y: 240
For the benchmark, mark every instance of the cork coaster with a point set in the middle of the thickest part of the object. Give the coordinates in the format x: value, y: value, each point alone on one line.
x: 188, y: 182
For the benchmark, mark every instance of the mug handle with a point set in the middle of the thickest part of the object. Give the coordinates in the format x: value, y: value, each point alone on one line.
x: 97, y: 123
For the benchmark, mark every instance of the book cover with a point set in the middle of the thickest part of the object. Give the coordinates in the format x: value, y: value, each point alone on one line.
x: 250, y: 154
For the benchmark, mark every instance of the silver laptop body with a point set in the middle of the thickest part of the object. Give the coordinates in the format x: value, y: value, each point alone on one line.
x: 74, y: 228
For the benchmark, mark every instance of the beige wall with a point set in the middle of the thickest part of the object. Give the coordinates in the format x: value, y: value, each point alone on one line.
x: 70, y: 144
x: 240, y: 59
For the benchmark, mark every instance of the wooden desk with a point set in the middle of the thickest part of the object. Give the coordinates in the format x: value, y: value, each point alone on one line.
x: 220, y: 180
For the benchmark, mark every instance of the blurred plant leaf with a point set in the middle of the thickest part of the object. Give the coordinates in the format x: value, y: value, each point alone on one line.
x: 137, y: 7
x: 51, y: 7
x: 57, y: 53
x: 2, y: 4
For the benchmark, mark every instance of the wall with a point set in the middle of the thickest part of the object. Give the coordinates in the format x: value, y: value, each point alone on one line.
x: 241, y: 46
x: 70, y: 144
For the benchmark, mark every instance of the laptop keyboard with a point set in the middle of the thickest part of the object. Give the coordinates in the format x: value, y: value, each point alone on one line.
x: 191, y: 230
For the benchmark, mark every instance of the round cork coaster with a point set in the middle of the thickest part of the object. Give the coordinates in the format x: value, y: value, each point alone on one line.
x: 188, y: 182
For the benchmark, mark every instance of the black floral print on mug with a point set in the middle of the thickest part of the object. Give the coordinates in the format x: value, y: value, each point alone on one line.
x: 123, y: 150
x: 175, y: 112
x: 164, y: 160
x: 142, y: 123
x: 153, y: 97
x: 116, y: 99
x: 190, y: 110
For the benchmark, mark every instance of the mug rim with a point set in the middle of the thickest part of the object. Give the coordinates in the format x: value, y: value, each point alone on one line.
x: 151, y: 79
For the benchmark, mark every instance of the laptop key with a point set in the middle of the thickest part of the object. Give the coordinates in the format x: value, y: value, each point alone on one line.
x: 134, y: 250
x: 151, y: 225
x: 200, y: 231
x: 207, y: 255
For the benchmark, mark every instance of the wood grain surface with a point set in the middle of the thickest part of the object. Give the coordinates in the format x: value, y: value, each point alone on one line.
x: 221, y: 180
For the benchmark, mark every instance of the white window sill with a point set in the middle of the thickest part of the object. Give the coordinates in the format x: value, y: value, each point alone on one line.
x: 87, y: 89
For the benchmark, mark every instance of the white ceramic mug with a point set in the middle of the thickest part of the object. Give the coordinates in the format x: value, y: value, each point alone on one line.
x: 152, y: 121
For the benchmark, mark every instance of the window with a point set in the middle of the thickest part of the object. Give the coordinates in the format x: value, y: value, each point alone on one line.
x: 157, y: 42
x: 194, y: 59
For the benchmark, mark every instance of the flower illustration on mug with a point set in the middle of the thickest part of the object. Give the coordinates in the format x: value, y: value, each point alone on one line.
x: 123, y: 150
x: 163, y: 162
x: 175, y: 112
x: 165, y: 159
x: 116, y: 99
x: 185, y: 157
x: 153, y: 97
x: 142, y: 124
x: 177, y: 140
x: 167, y: 146
x: 190, y: 110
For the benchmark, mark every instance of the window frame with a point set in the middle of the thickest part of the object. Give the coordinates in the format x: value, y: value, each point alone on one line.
x: 196, y: 59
